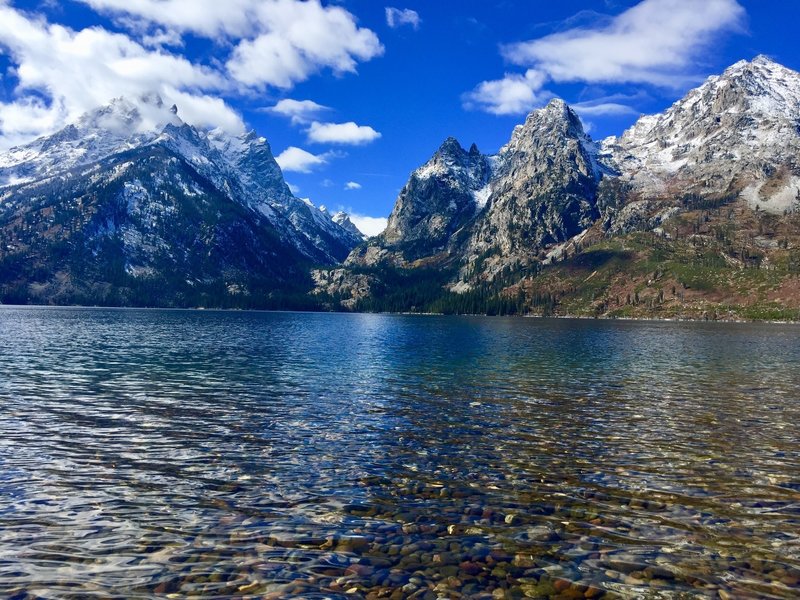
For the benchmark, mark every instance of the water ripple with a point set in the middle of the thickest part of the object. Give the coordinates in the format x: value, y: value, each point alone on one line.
x: 145, y: 454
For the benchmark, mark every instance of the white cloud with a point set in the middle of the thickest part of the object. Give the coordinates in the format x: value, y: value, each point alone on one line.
x: 513, y: 94
x: 295, y: 189
x: 203, y: 110
x: 208, y: 18
x: 297, y: 160
x: 370, y: 226
x: 60, y: 72
x: 63, y: 73
x: 352, y: 185
x: 656, y: 42
x: 162, y: 37
x: 594, y: 109
x: 298, y: 39
x: 395, y: 17
x: 341, y: 133
x: 299, y: 111
x: 275, y: 42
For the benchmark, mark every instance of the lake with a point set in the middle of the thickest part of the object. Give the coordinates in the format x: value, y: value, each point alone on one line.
x: 149, y: 453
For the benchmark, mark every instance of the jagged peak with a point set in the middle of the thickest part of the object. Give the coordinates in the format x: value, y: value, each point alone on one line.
x: 760, y: 86
x: 450, y: 146
x: 179, y: 128
x: 125, y: 116
x: 249, y: 136
x: 342, y: 219
x: 762, y: 65
x: 557, y: 105
x: 449, y: 158
x: 763, y: 59
x: 554, y: 111
x: 760, y: 60
x: 119, y: 106
x: 555, y: 118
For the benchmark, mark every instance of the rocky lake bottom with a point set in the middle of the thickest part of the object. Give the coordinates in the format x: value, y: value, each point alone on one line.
x: 153, y: 454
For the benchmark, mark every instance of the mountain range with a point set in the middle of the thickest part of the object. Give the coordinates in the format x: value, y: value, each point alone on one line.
x: 130, y: 205
x: 689, y: 213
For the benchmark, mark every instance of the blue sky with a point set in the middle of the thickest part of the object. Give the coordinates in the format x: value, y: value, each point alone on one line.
x: 353, y: 95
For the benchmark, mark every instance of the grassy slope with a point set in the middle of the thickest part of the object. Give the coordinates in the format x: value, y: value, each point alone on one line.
x: 726, y: 263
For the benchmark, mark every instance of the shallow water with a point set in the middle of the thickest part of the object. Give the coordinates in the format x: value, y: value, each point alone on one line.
x: 216, y: 454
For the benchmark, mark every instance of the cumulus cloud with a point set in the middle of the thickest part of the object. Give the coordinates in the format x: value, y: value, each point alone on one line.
x: 303, y: 112
x: 341, y: 133
x: 162, y: 37
x: 60, y: 73
x: 207, y: 18
x: 275, y: 42
x: 297, y: 160
x: 370, y: 226
x: 513, y: 94
x: 656, y: 42
x: 299, y: 111
x: 396, y: 17
x: 352, y: 185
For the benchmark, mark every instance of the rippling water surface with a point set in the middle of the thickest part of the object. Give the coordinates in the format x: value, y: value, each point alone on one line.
x: 170, y: 454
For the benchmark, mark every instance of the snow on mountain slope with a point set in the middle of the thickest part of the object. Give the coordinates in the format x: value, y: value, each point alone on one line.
x: 440, y: 197
x: 736, y: 130
x: 116, y: 127
x: 241, y: 167
x: 342, y: 219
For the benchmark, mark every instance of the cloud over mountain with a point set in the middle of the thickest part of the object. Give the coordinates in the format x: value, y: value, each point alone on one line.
x: 59, y: 72
x: 656, y: 42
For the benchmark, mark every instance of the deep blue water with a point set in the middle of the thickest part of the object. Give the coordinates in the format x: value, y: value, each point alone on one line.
x: 146, y: 453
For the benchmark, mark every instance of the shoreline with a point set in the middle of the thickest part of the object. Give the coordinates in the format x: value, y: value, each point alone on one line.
x: 726, y: 320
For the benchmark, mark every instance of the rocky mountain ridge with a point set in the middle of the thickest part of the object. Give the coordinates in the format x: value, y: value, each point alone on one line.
x: 733, y: 143
x: 130, y: 193
x: 688, y: 213
x: 740, y: 125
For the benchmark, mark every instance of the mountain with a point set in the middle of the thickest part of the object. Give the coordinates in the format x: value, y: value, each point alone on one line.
x: 691, y: 213
x: 543, y: 189
x: 439, y: 199
x: 700, y: 200
x: 734, y: 136
x: 130, y: 205
x: 342, y: 219
x: 477, y: 214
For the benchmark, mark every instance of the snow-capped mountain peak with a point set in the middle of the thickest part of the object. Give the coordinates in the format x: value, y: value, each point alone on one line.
x: 120, y: 125
x: 342, y: 219
x: 240, y: 167
x: 722, y: 133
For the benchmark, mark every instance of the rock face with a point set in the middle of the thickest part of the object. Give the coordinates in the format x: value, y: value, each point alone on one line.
x: 462, y: 206
x: 132, y: 205
x: 131, y: 198
x: 440, y: 198
x: 476, y: 218
x: 342, y: 219
x: 738, y: 133
x: 544, y: 187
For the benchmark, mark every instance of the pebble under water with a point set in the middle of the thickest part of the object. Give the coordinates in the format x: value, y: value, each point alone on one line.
x: 152, y: 454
